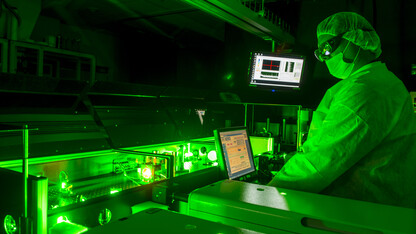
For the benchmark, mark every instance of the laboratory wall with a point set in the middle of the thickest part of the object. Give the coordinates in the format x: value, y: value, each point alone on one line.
x: 197, y: 61
x: 105, y: 45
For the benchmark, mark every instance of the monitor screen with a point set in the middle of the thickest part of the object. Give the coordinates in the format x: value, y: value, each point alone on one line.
x: 275, y: 70
x: 234, y: 146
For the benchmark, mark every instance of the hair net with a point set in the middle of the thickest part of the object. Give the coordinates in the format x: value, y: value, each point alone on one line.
x: 354, y: 28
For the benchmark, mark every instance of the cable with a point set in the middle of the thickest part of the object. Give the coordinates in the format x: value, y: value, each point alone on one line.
x: 8, y: 7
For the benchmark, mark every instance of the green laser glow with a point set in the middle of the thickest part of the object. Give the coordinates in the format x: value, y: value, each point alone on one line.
x: 187, y: 165
x: 62, y: 219
x: 147, y: 173
x: 114, y: 190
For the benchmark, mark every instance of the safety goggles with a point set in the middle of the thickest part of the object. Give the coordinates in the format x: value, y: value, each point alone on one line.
x: 325, y: 50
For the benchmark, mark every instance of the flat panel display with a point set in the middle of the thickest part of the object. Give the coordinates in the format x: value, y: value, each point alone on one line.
x: 277, y: 71
x: 235, y: 151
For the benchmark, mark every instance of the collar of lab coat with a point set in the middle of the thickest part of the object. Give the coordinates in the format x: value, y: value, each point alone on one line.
x: 366, y: 68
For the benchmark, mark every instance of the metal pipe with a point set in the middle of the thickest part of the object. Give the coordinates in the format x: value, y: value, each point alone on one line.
x: 268, y: 124
x: 245, y: 115
x: 299, y: 134
x: 25, y: 171
x: 284, y: 130
x: 25, y: 166
x: 13, y: 28
x: 252, y: 119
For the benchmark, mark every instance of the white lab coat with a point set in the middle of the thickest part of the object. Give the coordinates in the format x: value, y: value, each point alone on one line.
x: 361, y: 144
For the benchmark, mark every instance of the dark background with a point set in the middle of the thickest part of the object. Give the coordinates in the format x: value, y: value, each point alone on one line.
x: 200, y: 55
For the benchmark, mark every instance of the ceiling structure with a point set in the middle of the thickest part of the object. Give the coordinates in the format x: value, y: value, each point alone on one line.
x: 170, y: 17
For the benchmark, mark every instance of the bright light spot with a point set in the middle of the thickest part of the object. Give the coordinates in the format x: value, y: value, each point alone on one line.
x: 273, y: 90
x: 212, y: 155
x: 189, y: 148
x: 114, y: 190
x: 62, y: 219
x: 147, y: 173
x: 189, y: 154
x: 283, y: 193
x: 139, y: 170
x: 63, y: 185
x: 187, y: 165
x: 215, y: 164
x: 229, y: 76
x: 82, y: 231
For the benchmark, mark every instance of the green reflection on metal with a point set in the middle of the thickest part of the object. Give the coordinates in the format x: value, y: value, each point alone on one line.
x: 114, y: 190
x: 122, y: 95
x: 10, y: 224
x: 82, y: 231
x: 62, y: 219
x: 68, y: 226
x: 104, y: 216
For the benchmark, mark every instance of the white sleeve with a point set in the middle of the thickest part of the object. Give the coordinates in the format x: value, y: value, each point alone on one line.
x: 343, y: 139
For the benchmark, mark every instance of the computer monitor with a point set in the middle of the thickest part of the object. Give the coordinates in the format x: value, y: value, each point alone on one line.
x: 236, y: 156
x: 276, y: 71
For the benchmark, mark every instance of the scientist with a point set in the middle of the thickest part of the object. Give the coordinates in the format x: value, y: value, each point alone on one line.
x: 362, y: 139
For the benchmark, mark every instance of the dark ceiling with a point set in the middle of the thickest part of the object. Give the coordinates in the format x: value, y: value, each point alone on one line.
x: 164, y: 17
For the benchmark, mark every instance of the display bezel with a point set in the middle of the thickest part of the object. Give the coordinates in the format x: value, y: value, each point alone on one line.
x: 223, y: 162
x: 274, y: 85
